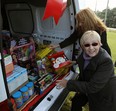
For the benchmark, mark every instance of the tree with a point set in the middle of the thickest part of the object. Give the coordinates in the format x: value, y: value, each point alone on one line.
x: 111, y: 17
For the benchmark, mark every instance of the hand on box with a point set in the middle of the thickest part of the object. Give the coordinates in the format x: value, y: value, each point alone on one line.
x: 51, y: 46
x: 62, y: 82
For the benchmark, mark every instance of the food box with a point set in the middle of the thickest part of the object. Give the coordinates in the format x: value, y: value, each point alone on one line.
x: 9, y: 66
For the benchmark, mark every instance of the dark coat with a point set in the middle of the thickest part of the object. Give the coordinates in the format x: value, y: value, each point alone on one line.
x: 97, y: 81
x: 76, y: 36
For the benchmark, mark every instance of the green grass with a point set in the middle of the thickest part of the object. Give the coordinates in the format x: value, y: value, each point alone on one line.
x: 112, y: 43
x: 111, y: 37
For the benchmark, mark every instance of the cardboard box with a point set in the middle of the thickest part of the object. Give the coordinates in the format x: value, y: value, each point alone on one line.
x: 9, y: 66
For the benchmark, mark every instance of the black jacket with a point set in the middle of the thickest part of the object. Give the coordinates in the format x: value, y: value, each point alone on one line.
x: 75, y: 36
x: 97, y: 81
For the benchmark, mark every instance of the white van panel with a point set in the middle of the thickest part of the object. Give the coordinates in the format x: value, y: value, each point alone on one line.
x: 50, y: 33
x: 3, y: 95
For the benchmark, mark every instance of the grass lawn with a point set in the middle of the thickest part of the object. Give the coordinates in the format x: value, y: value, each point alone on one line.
x: 112, y: 44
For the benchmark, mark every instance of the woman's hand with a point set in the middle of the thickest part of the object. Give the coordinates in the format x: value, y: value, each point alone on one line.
x: 51, y: 46
x: 62, y: 82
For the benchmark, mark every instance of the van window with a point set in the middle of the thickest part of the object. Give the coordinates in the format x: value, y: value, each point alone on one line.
x: 20, y: 18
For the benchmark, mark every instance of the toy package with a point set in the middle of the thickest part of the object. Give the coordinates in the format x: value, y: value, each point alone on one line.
x: 41, y: 54
x: 59, y: 62
x: 45, y: 82
x: 41, y: 67
x: 43, y: 63
x: 22, y: 50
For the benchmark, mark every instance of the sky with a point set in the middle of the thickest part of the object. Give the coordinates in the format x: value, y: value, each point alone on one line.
x: 97, y: 5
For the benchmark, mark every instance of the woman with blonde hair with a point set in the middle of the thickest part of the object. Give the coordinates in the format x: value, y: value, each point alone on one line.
x: 86, y: 20
x: 97, y: 82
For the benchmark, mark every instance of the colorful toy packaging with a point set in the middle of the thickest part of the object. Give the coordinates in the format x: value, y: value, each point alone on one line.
x: 22, y: 50
x: 59, y: 62
x: 51, y: 65
x: 43, y: 52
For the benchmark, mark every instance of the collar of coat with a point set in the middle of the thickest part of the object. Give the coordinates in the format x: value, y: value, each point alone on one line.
x: 94, y: 60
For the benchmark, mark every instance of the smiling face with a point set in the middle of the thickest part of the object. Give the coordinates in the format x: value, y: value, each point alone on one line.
x: 91, y: 43
x: 91, y: 48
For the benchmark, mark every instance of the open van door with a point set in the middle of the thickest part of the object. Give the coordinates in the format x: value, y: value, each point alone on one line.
x: 3, y: 85
x: 23, y: 19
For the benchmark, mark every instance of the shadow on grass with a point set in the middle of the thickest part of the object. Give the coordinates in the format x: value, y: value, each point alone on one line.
x: 67, y: 104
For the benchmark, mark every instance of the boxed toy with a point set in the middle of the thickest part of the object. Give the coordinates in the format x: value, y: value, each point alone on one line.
x: 59, y: 62
x: 41, y: 54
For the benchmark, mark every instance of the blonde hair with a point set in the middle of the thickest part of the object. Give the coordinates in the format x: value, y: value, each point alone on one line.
x: 89, y: 20
x: 88, y: 35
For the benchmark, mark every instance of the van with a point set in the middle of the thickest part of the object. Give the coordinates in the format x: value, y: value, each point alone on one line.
x: 46, y: 22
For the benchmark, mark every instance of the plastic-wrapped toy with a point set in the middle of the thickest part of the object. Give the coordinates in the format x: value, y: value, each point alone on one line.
x: 41, y: 54
x: 59, y: 62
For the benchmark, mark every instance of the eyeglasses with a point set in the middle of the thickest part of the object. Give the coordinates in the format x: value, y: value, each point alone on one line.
x: 93, y: 44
